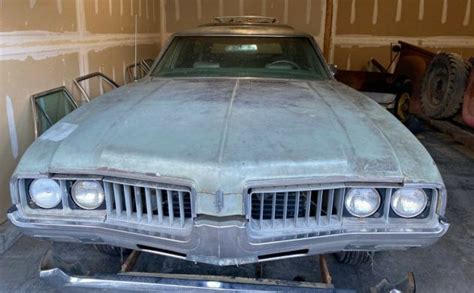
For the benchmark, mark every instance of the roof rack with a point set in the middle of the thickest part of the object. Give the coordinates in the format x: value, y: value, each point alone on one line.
x: 246, y: 19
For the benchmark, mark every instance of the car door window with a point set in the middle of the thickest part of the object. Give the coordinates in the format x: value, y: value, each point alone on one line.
x: 51, y: 106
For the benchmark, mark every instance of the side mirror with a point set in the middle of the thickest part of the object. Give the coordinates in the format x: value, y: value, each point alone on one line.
x: 333, y: 69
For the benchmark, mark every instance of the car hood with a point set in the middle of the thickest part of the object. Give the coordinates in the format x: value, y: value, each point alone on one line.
x: 225, y: 134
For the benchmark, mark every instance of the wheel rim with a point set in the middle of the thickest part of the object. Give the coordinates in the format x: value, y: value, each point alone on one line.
x: 403, y: 106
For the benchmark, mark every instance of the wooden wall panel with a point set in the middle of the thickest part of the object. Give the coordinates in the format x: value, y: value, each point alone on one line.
x: 210, y: 9
x: 307, y: 16
x: 26, y: 15
x: 230, y: 7
x: 404, y: 18
x: 357, y: 58
x: 252, y: 7
x: 181, y: 15
x: 303, y: 15
x: 113, y: 61
x: 114, y: 17
x: 276, y: 8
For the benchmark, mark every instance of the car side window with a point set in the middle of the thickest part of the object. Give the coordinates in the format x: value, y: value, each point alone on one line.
x: 51, y: 106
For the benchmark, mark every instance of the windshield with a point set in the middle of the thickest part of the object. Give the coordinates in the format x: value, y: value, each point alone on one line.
x: 209, y: 56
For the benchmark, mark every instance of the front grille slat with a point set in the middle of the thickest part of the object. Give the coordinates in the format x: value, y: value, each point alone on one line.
x: 274, y: 195
x: 340, y: 203
x: 162, y: 205
x: 109, y: 202
x: 181, y: 208
x: 285, y: 208
x: 128, y: 201
x: 170, y: 207
x: 319, y: 207
x: 330, y: 205
x: 118, y: 199
x: 159, y: 203
x: 297, y: 207
x: 308, y: 207
x: 138, y: 202
x: 149, y: 211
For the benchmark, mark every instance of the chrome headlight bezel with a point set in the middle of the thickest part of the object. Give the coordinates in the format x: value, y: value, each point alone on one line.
x: 100, y: 194
x: 396, y: 197
x: 49, y: 186
x: 350, y: 194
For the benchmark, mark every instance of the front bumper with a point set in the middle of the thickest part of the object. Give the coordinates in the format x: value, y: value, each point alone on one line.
x: 228, y: 242
x: 139, y: 282
x: 63, y: 272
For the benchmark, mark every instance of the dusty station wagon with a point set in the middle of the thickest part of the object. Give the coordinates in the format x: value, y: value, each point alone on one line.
x: 238, y: 147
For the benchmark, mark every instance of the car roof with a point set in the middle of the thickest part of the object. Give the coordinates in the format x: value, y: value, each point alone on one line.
x: 243, y: 25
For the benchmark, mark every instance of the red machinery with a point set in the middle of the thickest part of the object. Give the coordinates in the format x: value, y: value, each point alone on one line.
x: 429, y: 85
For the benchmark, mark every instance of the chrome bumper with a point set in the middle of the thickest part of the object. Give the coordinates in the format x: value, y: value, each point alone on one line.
x: 148, y: 282
x: 61, y: 274
x: 226, y: 242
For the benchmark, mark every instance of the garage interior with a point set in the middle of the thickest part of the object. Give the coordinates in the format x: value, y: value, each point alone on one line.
x: 46, y: 44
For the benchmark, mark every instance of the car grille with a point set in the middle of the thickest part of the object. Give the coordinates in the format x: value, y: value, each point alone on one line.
x: 318, y: 208
x: 270, y: 209
x: 148, y: 203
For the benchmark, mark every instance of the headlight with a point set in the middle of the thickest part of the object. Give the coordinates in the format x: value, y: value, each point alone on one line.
x: 362, y: 202
x: 46, y: 193
x: 409, y: 202
x: 88, y: 195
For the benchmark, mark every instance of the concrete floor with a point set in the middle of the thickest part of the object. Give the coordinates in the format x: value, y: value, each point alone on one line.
x: 447, y: 266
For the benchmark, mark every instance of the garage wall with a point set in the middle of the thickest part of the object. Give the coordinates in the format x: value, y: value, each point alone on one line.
x: 303, y: 15
x: 359, y: 29
x: 364, y: 29
x: 47, y: 43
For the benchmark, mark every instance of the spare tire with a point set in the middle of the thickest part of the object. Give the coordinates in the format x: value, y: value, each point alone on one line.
x: 443, y: 85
